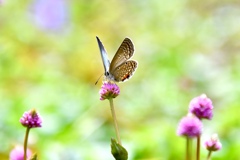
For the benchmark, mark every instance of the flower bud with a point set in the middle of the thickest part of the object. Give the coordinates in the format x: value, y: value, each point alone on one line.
x: 118, y: 152
x: 213, y: 144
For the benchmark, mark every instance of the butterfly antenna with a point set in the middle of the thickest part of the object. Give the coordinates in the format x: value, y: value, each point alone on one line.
x: 98, y: 79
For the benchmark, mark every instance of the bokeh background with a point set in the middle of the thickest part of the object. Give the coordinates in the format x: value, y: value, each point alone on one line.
x: 50, y: 60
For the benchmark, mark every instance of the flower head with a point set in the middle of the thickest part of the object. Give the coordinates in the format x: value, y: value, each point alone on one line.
x: 190, y: 126
x: 17, y: 153
x: 109, y: 90
x: 31, y: 119
x: 202, y: 107
x: 213, y: 144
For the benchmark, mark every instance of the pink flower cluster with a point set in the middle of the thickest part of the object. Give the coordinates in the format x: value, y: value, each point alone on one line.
x: 201, y: 107
x: 109, y: 90
x: 31, y: 119
x: 190, y: 126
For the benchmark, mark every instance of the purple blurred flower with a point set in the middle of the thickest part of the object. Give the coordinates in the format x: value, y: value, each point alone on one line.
x: 109, y: 90
x: 190, y: 126
x: 50, y: 14
x: 17, y: 153
x: 31, y: 119
x: 213, y: 144
x: 202, y: 107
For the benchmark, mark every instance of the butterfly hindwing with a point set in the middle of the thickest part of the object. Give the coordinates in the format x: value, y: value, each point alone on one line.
x: 124, y: 71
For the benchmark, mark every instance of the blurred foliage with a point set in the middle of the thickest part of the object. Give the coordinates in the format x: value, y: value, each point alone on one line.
x: 49, y: 60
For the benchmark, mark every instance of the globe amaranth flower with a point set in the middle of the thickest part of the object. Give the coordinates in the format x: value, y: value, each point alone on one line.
x: 109, y: 90
x: 201, y: 107
x: 17, y: 153
x: 31, y: 119
x: 213, y: 144
x: 190, y: 126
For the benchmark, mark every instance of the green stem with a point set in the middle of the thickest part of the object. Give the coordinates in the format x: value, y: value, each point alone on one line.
x: 115, y: 120
x: 209, y: 155
x: 189, y: 149
x: 25, y: 143
x: 198, y: 147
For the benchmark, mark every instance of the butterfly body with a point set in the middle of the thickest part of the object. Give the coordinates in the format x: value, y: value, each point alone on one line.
x: 120, y: 68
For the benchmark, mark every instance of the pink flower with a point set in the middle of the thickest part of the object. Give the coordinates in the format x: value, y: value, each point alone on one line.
x: 17, y: 153
x: 109, y: 90
x: 190, y: 126
x: 213, y: 144
x: 201, y: 107
x: 31, y: 119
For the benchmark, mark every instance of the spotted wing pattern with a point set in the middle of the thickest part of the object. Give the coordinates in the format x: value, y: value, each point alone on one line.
x: 124, y: 52
x: 124, y: 71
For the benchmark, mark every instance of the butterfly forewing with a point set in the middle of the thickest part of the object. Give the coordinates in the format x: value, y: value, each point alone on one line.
x: 124, y: 71
x: 124, y: 52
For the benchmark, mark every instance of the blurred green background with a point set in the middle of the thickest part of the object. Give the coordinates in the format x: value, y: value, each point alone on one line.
x: 50, y: 60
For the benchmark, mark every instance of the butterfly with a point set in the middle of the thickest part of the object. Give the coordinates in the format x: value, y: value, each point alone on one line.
x: 121, y: 68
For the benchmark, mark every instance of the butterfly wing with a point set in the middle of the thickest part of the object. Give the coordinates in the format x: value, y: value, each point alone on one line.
x: 104, y: 56
x: 124, y: 71
x: 124, y: 52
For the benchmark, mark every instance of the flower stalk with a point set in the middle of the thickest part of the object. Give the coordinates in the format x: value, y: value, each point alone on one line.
x: 189, y: 148
x: 109, y: 91
x: 198, y: 147
x: 25, y: 143
x: 209, y: 155
x: 115, y: 120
